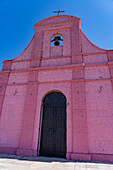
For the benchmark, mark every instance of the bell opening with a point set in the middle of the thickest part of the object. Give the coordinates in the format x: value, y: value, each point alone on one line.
x: 57, y: 41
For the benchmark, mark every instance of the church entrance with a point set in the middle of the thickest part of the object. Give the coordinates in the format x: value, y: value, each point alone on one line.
x: 53, y: 133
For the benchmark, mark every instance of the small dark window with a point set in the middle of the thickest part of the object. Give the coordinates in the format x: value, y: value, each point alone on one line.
x: 57, y: 41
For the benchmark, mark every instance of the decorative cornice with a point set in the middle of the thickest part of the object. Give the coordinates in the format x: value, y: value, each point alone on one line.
x: 54, y: 82
x: 100, y: 53
x: 50, y: 58
x: 75, y: 66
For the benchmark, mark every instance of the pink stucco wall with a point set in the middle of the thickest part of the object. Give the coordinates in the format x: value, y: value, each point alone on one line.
x: 11, y: 116
x: 80, y: 70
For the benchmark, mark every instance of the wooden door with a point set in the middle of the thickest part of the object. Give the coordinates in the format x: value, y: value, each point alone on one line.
x: 53, y: 133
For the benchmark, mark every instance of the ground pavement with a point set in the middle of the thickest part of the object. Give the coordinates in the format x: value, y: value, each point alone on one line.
x: 13, y: 162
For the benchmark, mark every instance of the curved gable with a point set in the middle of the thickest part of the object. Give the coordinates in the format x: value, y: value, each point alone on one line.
x: 57, y: 19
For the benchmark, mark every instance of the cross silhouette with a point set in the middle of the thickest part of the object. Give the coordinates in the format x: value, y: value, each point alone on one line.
x: 58, y: 11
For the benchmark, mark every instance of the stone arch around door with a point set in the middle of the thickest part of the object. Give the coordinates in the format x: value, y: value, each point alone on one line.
x: 53, y: 118
x: 42, y: 92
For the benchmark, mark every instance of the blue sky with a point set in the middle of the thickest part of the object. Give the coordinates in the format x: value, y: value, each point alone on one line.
x: 17, y: 18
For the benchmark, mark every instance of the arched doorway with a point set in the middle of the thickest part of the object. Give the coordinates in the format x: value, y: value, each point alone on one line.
x: 53, y: 131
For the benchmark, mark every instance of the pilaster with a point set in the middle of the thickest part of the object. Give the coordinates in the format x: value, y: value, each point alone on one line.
x: 3, y: 82
x: 37, y: 49
x: 79, y: 117
x: 27, y: 132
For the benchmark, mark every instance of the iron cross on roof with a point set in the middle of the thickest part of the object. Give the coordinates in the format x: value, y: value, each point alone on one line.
x: 58, y: 11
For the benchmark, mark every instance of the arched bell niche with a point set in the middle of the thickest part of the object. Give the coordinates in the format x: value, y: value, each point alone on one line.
x: 56, y: 49
x: 57, y: 40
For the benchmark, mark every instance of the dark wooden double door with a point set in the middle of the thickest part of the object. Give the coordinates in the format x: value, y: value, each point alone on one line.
x: 53, y: 133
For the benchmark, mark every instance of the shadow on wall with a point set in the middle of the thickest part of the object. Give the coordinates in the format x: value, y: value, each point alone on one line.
x: 37, y: 159
x: 46, y: 159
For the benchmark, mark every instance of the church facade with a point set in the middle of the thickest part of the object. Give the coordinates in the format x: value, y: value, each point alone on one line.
x: 56, y: 97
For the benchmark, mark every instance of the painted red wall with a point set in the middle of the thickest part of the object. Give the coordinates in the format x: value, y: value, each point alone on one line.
x: 80, y: 70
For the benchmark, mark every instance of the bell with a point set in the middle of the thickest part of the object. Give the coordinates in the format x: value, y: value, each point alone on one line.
x: 57, y: 40
x: 56, y: 43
